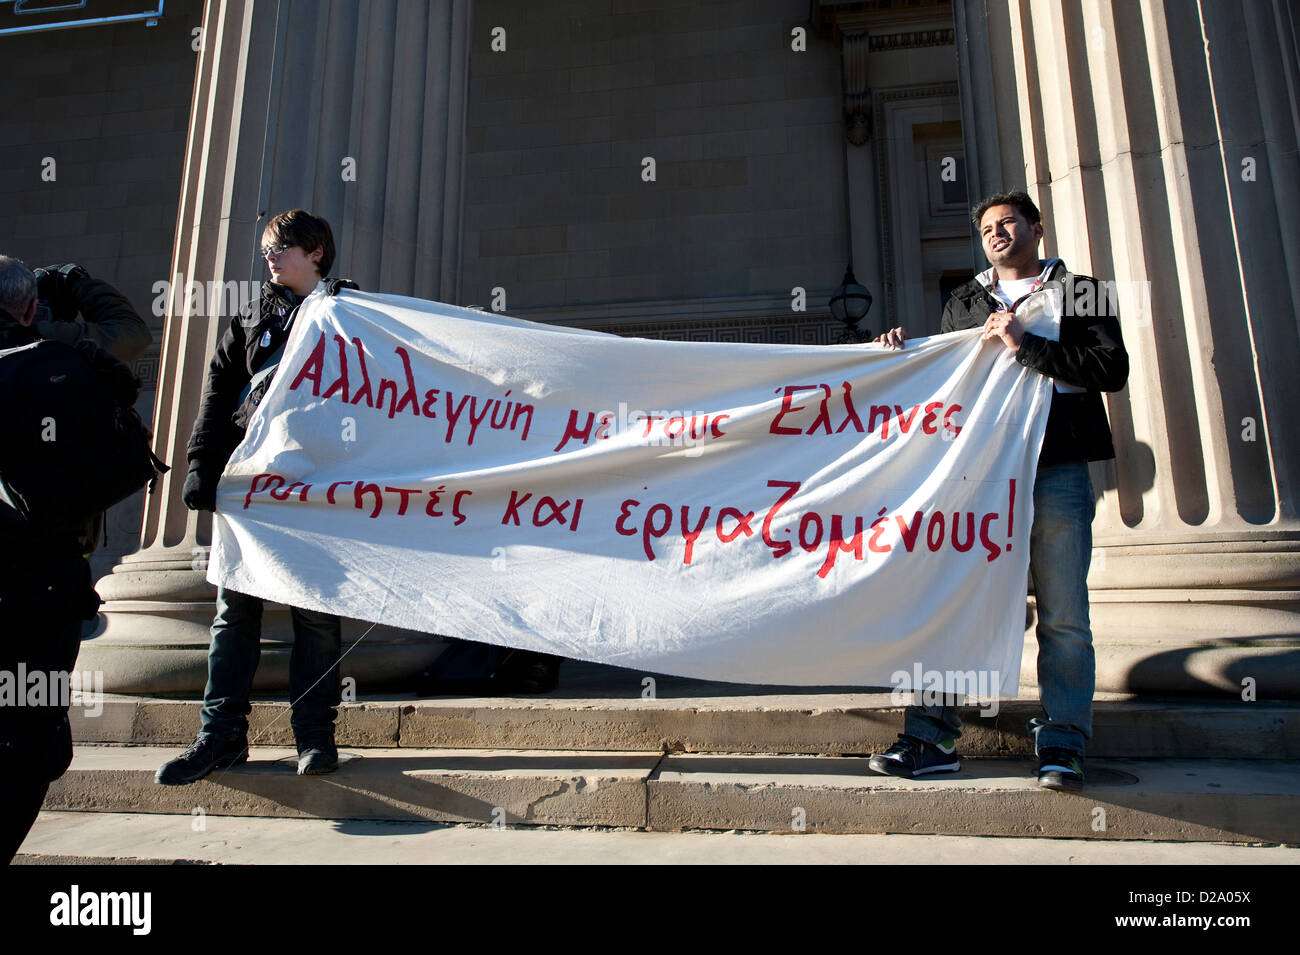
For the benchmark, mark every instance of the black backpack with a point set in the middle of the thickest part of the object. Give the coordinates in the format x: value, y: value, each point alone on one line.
x: 69, y: 450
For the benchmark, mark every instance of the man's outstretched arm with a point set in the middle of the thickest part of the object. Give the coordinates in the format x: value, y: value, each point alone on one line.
x: 107, y: 316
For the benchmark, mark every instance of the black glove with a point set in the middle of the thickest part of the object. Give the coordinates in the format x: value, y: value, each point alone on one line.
x: 332, y: 286
x: 200, y: 490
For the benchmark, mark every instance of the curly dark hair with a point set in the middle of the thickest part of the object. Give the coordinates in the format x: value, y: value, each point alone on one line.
x: 1020, y: 201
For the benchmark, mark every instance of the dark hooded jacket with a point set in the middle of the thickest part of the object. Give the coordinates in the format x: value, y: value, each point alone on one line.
x: 252, y: 338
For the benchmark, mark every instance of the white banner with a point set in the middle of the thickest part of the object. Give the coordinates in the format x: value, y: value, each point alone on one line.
x: 756, y: 513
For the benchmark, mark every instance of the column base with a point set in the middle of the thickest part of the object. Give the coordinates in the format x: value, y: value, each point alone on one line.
x: 152, y: 636
x: 1210, y: 616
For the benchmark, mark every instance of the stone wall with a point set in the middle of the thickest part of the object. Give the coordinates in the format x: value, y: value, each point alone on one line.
x: 110, y: 107
x: 748, y: 199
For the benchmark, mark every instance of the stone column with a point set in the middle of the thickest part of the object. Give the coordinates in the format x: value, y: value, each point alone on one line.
x: 1159, y: 140
x: 353, y: 111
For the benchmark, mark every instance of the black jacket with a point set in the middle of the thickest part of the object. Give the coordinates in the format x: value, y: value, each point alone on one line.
x: 107, y: 317
x: 16, y: 535
x: 45, y: 594
x: 252, y: 337
x: 1089, y: 355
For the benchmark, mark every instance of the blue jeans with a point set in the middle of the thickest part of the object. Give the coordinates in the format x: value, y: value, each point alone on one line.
x: 1060, y: 549
x: 314, y: 685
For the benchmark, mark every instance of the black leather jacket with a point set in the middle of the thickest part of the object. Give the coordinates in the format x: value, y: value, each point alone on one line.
x: 1089, y: 355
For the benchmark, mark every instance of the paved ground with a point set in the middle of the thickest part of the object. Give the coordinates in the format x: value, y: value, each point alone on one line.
x: 98, y: 837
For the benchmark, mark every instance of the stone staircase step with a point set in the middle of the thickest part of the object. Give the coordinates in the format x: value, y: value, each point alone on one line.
x: 807, y: 723
x: 537, y: 788
x: 1167, y: 800
x: 75, y: 838
x: 1200, y: 800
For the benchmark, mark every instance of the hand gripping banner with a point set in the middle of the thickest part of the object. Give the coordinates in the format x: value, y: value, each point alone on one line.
x: 781, y: 514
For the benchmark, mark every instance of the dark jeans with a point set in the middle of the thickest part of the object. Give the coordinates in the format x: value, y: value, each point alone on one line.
x: 314, y: 685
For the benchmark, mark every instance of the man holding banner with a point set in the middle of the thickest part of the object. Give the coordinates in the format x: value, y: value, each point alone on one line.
x: 299, y: 250
x: 1075, y: 341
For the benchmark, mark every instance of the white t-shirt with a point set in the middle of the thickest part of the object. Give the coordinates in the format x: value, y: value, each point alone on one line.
x: 1008, y: 291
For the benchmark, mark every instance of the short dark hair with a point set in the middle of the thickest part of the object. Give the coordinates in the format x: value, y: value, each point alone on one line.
x: 17, y: 286
x: 299, y: 227
x: 1020, y: 201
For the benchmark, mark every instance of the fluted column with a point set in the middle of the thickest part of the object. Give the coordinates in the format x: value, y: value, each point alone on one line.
x: 1159, y: 140
x: 355, y: 112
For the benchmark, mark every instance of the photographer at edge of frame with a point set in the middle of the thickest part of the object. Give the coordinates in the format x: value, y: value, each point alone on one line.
x: 298, y: 248
x: 45, y: 584
x: 1088, y: 359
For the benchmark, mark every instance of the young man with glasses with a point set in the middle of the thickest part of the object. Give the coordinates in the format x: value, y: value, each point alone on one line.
x: 299, y: 251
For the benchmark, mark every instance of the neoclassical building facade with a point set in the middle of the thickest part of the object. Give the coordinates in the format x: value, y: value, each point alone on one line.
x: 681, y: 169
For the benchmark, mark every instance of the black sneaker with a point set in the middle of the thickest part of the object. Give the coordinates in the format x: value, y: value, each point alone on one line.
x: 1060, y: 769
x: 317, y: 757
x: 911, y: 757
x: 206, y: 753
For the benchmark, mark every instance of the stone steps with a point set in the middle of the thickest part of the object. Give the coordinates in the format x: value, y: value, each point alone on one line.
x: 1175, y: 800
x: 596, y: 719
x: 691, y: 755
